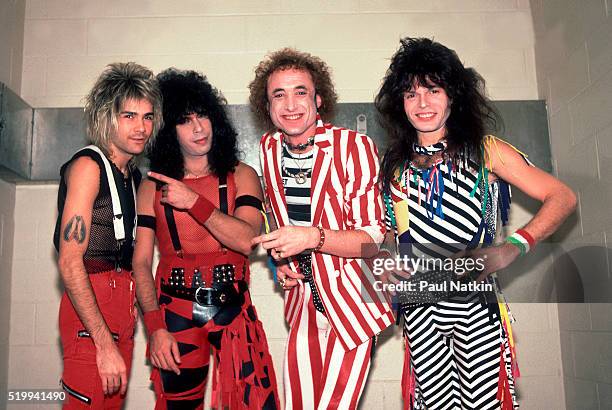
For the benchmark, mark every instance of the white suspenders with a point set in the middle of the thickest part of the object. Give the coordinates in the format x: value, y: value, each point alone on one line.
x: 117, y: 211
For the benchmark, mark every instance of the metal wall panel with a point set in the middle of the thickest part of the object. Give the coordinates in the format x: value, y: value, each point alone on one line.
x: 15, y: 133
x: 34, y: 143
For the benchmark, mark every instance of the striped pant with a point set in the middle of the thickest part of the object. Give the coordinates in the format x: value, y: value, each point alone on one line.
x: 318, y: 372
x: 456, y: 349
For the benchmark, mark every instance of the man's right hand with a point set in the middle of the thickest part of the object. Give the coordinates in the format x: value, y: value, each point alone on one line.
x: 112, y: 370
x: 164, y: 351
x: 291, y: 278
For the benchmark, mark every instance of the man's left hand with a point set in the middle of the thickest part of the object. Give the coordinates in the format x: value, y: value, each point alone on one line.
x: 288, y: 240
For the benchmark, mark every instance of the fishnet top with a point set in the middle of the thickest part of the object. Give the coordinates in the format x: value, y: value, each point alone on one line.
x: 195, y: 238
x: 103, y: 252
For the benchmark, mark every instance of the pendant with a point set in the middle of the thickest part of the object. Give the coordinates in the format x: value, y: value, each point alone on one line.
x: 300, y: 178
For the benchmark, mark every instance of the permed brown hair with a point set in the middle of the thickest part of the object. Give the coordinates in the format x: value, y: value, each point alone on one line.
x: 284, y: 59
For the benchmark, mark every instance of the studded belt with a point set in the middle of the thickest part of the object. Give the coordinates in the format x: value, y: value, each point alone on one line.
x: 222, y: 292
x: 305, y: 265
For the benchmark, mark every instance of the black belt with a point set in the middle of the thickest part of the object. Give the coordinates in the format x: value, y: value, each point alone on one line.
x: 305, y: 264
x: 222, y: 294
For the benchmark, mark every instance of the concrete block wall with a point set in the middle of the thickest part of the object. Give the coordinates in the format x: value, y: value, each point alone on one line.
x: 12, y: 17
x: 68, y: 42
x: 7, y: 230
x: 574, y: 71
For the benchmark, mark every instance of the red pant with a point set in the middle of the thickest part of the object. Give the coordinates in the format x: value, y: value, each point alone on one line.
x: 115, y: 297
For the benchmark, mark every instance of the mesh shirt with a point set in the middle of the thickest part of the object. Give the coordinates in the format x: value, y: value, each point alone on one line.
x: 103, y: 252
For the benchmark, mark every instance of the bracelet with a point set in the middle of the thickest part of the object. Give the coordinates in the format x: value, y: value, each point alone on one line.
x: 522, y: 240
x: 153, y: 321
x: 321, y: 239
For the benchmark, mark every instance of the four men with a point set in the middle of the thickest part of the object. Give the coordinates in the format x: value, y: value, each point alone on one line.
x: 203, y: 208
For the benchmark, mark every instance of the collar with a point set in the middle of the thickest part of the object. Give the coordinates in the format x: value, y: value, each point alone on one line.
x: 322, y: 138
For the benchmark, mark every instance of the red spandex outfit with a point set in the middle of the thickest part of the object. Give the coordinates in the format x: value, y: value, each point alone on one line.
x: 243, y: 374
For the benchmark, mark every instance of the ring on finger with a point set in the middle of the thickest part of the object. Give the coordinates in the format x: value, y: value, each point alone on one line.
x: 282, y: 282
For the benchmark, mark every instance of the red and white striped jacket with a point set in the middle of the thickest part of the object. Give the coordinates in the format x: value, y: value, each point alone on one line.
x: 344, y: 196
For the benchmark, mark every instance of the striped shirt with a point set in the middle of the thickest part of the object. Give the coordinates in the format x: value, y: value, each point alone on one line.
x: 298, y: 195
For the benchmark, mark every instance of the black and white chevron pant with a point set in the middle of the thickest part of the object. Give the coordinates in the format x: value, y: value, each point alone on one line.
x: 455, y: 349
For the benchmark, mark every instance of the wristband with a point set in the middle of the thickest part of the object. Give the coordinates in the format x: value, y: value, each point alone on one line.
x: 153, y: 321
x: 522, y: 240
x: 201, y: 210
x: 321, y: 239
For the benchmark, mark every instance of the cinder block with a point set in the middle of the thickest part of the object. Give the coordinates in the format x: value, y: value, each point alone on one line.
x: 604, y: 153
x: 593, y: 356
x: 392, y: 391
x: 570, y: 77
x: 33, y: 76
x: 389, y: 358
x: 47, y: 328
x: 574, y: 316
x: 567, y: 354
x: 601, y: 316
x: 539, y: 353
x: 373, y: 395
x: 55, y: 37
x: 197, y: 34
x: 540, y: 392
x: 604, y: 394
x: 271, y: 313
x: 435, y: 5
x: 590, y: 110
x: 35, y: 367
x: 22, y: 324
x: 580, y: 394
x: 508, y: 30
x: 531, y: 317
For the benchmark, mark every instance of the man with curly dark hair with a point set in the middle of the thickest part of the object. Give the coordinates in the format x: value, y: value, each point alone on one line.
x: 203, y: 206
x: 322, y: 185
x: 445, y: 183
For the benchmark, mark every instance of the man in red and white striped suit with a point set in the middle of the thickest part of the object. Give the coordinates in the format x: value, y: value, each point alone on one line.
x: 322, y: 186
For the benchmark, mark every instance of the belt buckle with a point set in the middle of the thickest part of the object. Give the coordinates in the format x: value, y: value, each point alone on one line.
x: 197, y: 296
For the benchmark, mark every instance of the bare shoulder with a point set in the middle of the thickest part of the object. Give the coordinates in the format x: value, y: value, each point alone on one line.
x: 247, y: 180
x: 245, y: 171
x: 83, y: 172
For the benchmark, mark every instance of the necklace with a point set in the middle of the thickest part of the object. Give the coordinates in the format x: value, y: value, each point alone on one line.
x: 429, y: 149
x: 194, y: 175
x: 299, y: 147
x: 301, y: 176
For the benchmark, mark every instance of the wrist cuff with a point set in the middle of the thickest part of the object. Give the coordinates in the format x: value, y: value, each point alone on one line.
x: 153, y: 321
x: 201, y: 210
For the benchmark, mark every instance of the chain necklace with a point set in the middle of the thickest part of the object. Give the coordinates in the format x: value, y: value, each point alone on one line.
x: 302, y: 175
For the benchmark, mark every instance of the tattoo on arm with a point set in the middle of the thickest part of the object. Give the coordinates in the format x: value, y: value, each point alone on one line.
x: 75, y: 229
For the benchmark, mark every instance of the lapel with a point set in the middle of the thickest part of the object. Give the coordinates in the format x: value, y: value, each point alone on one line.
x: 276, y: 189
x: 323, y: 156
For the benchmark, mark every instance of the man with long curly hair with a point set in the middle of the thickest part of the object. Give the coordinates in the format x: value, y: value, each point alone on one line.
x: 322, y: 185
x: 203, y: 206
x: 445, y: 183
x: 94, y: 236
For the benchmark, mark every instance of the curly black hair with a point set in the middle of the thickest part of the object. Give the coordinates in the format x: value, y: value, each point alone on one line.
x: 187, y: 92
x: 284, y: 59
x: 421, y: 61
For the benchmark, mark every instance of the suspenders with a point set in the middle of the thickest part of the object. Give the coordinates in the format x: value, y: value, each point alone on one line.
x: 117, y: 211
x: 169, y: 213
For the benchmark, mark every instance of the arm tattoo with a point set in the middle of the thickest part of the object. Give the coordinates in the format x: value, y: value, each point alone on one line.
x: 75, y: 229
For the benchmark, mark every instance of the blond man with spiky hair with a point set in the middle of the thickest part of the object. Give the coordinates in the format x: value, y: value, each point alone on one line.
x: 94, y: 236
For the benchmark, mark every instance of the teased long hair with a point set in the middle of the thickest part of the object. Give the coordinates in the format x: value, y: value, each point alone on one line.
x: 284, y: 59
x: 118, y: 83
x: 184, y: 93
x: 421, y: 61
